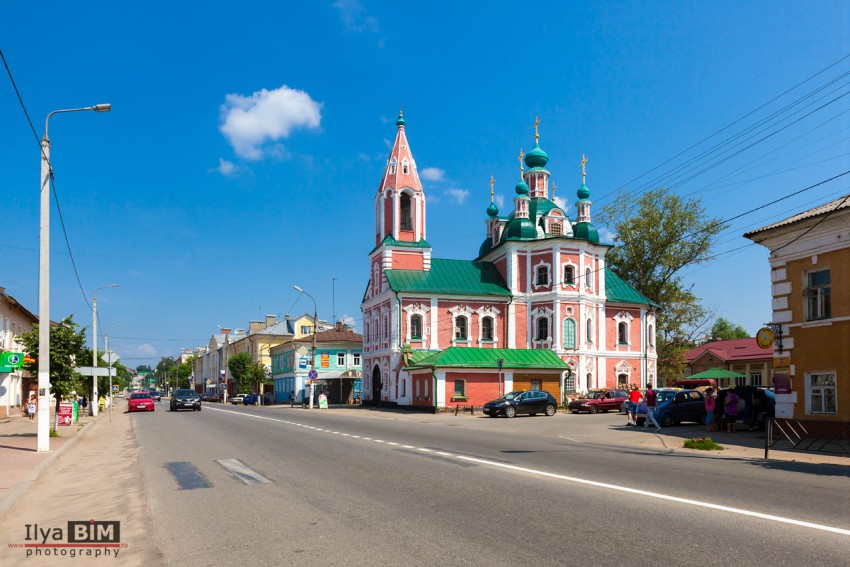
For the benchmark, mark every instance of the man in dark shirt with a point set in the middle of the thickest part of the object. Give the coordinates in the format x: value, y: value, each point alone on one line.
x: 651, y: 403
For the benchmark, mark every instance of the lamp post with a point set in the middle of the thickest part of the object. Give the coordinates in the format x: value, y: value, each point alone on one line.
x: 109, y: 364
x: 93, y: 405
x: 315, y: 330
x: 44, y: 284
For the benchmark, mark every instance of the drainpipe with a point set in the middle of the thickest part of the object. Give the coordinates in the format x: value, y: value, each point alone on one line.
x: 434, y: 390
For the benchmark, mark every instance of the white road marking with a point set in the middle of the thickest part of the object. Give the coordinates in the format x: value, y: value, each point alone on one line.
x: 243, y: 472
x: 571, y: 439
x: 605, y: 485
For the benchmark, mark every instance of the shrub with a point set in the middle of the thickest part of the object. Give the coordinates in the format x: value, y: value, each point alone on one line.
x: 703, y: 444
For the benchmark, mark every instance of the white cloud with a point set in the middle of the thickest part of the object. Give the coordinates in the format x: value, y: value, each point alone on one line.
x: 354, y: 17
x: 388, y: 143
x: 145, y: 350
x: 460, y: 195
x: 348, y: 320
x: 433, y: 174
x: 225, y: 167
x: 606, y: 235
x: 561, y: 202
x: 266, y: 116
x: 500, y: 201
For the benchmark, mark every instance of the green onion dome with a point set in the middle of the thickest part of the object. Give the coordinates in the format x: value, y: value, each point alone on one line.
x: 400, y: 121
x: 486, y: 246
x: 520, y: 228
x: 492, y: 210
x: 583, y: 192
x: 522, y: 188
x: 536, y: 157
x: 586, y: 231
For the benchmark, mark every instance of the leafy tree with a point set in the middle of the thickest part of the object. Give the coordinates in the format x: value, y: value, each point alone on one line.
x: 184, y: 372
x: 660, y: 234
x: 144, y: 368
x: 67, y: 350
x: 240, y: 366
x: 725, y: 329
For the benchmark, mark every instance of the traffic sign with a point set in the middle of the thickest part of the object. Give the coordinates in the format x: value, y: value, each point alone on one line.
x: 115, y: 387
x: 111, y: 357
x: 313, y: 374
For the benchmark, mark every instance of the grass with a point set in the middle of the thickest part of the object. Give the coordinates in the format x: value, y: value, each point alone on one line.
x: 54, y: 433
x: 703, y: 444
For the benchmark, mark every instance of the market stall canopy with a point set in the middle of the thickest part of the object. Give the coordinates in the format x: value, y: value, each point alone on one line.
x: 716, y: 373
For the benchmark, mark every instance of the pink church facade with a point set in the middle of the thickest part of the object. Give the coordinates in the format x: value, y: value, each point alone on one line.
x: 538, y: 296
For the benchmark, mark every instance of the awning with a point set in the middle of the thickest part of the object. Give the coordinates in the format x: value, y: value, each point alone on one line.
x: 715, y: 373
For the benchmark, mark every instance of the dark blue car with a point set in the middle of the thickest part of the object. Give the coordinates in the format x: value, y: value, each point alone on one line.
x: 251, y: 400
x: 676, y: 406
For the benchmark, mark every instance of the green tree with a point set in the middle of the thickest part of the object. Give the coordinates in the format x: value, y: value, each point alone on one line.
x: 240, y: 366
x: 143, y: 368
x: 725, y: 329
x: 184, y: 371
x: 166, y: 372
x: 660, y: 234
x: 67, y: 350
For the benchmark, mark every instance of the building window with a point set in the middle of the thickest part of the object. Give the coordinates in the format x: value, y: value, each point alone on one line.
x: 821, y: 393
x: 542, y: 329
x: 622, y: 333
x: 460, y: 388
x: 426, y: 387
x: 487, y: 329
x: 403, y: 387
x: 589, y: 378
x: 569, y: 275
x: 306, y: 329
x: 755, y: 379
x: 570, y: 382
x: 356, y: 361
x: 405, y: 168
x: 623, y: 381
x: 651, y: 336
x: 386, y: 327
x: 589, y: 332
x: 537, y: 385
x: 588, y: 279
x: 460, y: 328
x: 376, y: 331
x: 555, y: 229
x: 406, y: 219
x: 416, y: 327
x: 543, y: 275
x: 366, y: 332
x: 417, y: 389
x: 569, y: 333
x: 340, y: 359
x: 817, y: 294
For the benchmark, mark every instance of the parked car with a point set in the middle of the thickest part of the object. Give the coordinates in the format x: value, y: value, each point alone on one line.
x: 211, y: 397
x: 675, y: 405
x: 528, y: 402
x: 185, y: 399
x: 237, y: 399
x: 155, y: 394
x: 755, y: 406
x: 600, y: 400
x: 140, y: 401
x: 251, y: 400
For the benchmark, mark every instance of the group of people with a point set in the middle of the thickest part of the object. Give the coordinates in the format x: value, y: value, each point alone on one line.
x: 650, y: 396
x: 730, y: 411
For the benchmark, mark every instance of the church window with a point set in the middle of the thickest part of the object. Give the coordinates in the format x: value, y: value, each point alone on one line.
x: 366, y: 331
x: 543, y: 275
x: 460, y: 328
x: 392, y: 167
x: 569, y: 275
x: 651, y: 336
x: 623, y: 333
x: 405, y: 169
x: 542, y: 329
x: 555, y: 229
x: 386, y: 327
x: 487, y: 329
x: 589, y: 332
x: 588, y: 278
x: 416, y: 327
x: 569, y: 333
x: 406, y: 218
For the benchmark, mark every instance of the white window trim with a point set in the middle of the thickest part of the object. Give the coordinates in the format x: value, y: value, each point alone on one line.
x: 564, y: 335
x: 623, y: 367
x: 534, y: 282
x: 344, y: 359
x: 392, y: 165
x: 458, y: 311
x: 575, y: 274
x: 422, y: 311
x: 588, y: 278
x: 808, y: 375
x: 627, y: 318
x: 542, y: 313
x: 492, y: 313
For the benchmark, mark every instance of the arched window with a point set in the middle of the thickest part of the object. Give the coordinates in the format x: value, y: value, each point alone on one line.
x: 589, y: 339
x: 542, y: 329
x: 588, y: 279
x: 392, y: 167
x: 405, y: 218
x: 366, y: 332
x: 487, y: 329
x: 569, y: 275
x: 416, y: 327
x: 460, y: 328
x: 651, y: 336
x: 589, y: 380
x: 569, y: 333
x: 622, y: 381
x: 543, y: 275
x: 622, y: 333
x: 405, y: 168
x: 386, y: 327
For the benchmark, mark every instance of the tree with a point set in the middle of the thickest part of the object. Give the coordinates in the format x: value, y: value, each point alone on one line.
x: 67, y: 350
x: 143, y: 368
x: 660, y: 234
x: 240, y: 366
x: 184, y: 372
x: 725, y: 329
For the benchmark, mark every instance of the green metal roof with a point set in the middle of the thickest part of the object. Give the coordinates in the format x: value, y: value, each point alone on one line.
x: 390, y: 241
x: 450, y: 277
x: 465, y: 357
x: 618, y: 291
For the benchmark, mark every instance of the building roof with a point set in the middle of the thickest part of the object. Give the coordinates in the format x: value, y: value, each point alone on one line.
x: 837, y: 204
x: 731, y: 350
x: 450, y: 277
x: 465, y: 357
x: 390, y: 241
x: 333, y: 336
x: 618, y: 291
x: 15, y: 303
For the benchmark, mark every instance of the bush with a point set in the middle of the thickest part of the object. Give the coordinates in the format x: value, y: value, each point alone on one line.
x: 703, y: 444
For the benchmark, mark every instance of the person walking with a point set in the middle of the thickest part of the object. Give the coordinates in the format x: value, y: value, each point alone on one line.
x: 292, y: 399
x: 634, y: 402
x: 731, y: 405
x: 31, y: 408
x: 651, y: 403
x: 710, y: 404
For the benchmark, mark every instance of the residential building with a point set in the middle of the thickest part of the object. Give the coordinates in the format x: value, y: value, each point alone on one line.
x: 15, y: 383
x: 743, y: 356
x: 539, y: 283
x: 810, y: 285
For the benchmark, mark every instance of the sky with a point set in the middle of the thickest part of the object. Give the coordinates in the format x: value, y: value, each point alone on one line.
x: 246, y: 140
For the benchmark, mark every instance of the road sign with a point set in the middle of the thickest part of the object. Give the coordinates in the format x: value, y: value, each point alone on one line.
x: 111, y: 356
x: 95, y: 371
x: 115, y: 387
x: 208, y: 382
x: 313, y: 374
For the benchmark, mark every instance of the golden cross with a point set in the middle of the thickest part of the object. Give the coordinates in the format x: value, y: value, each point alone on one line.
x: 583, y: 171
x: 521, y: 169
x: 553, y: 191
x: 536, y: 123
x: 492, y: 181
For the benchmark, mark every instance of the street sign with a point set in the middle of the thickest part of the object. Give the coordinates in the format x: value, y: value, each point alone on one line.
x: 115, y: 387
x: 12, y: 359
x: 208, y: 382
x: 313, y: 374
x: 111, y: 356
x: 95, y: 371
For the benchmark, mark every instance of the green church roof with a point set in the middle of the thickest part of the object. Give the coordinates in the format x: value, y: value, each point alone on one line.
x: 450, y: 277
x: 466, y: 357
x: 390, y: 241
x: 618, y: 291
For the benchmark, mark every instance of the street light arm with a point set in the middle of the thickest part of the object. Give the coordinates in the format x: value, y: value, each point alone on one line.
x: 106, y: 107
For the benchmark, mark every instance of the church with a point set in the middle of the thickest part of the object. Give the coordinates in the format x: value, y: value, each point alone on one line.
x: 537, y: 309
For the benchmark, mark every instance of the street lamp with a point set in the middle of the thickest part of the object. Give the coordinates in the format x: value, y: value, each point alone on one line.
x: 109, y: 364
x: 44, y: 284
x: 223, y: 371
x: 93, y: 405
x: 313, y: 354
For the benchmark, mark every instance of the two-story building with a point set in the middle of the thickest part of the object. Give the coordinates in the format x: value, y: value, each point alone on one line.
x: 15, y: 384
x: 810, y: 285
x: 743, y: 356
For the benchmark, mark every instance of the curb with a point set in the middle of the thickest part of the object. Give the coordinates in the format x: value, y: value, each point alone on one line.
x: 20, y: 489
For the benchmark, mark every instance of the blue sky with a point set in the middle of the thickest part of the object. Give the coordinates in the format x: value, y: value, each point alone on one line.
x: 246, y: 140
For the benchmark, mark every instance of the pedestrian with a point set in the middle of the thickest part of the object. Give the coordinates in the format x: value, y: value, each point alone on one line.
x: 651, y: 402
x: 710, y: 404
x: 85, y: 403
x: 31, y: 408
x: 292, y: 399
x: 634, y: 402
x: 731, y: 405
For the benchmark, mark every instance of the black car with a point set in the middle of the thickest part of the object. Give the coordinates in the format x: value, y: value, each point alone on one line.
x: 155, y: 394
x: 185, y: 399
x: 530, y: 402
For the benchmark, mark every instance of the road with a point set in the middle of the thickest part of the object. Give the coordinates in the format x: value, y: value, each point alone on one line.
x: 361, y: 487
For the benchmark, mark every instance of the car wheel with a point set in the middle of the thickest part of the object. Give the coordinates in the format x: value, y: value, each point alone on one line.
x: 199, y: 408
x: 593, y: 409
x: 551, y: 409
x: 666, y: 420
x: 172, y: 408
x: 510, y: 411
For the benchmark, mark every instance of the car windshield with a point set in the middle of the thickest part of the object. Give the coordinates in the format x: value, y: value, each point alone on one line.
x: 594, y: 395
x: 140, y: 397
x: 185, y: 393
x: 511, y: 396
x: 665, y: 396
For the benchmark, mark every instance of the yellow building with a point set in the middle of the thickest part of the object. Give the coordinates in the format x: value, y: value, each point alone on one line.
x: 810, y: 282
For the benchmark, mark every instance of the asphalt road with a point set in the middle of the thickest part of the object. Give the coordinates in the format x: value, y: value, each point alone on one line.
x: 359, y: 487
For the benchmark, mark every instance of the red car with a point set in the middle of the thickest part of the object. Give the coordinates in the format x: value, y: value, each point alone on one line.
x: 600, y: 400
x: 141, y: 401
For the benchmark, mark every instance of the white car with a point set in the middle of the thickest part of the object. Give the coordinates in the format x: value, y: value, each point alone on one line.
x: 237, y: 399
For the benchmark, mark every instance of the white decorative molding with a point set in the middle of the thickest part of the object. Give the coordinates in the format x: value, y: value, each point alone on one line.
x: 576, y: 276
x: 783, y: 288
x: 782, y: 316
x: 780, y: 303
x: 778, y: 275
x: 544, y: 313
x: 461, y: 311
x: 422, y: 311
x: 534, y: 283
x: 492, y: 313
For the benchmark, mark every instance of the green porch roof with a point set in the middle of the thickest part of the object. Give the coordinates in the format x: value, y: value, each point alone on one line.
x: 618, y: 291
x: 466, y: 357
x: 450, y: 277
